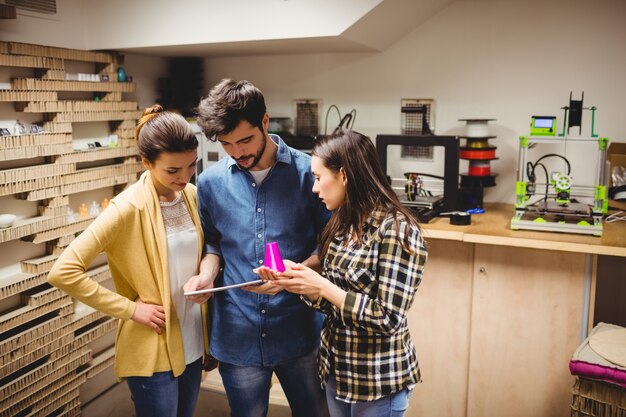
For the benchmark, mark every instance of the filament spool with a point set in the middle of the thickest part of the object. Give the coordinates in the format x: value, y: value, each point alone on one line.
x: 479, y: 153
x: 478, y: 142
x: 476, y: 128
x: 479, y: 168
x: 483, y: 154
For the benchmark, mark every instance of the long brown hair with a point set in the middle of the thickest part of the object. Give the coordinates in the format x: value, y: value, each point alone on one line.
x: 160, y: 131
x: 367, y: 187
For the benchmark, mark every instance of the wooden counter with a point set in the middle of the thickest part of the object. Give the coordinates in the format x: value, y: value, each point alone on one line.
x: 493, y: 228
x: 499, y: 314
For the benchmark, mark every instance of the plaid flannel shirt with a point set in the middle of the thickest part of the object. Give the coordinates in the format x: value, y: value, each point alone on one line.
x: 366, y: 344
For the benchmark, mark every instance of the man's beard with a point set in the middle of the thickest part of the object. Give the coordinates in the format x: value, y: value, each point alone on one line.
x: 257, y: 157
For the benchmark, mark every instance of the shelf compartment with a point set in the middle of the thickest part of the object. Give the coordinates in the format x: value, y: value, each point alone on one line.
x: 54, y: 207
x: 27, y: 141
x: 75, y: 106
x: 79, y: 187
x: 23, y: 281
x: 36, y: 84
x: 18, y: 48
x: 101, y: 362
x: 51, y: 74
x: 97, y: 154
x: 47, y: 211
x: 126, y: 140
x: 106, y: 326
x: 59, y: 182
x: 81, y: 320
x: 9, y: 176
x: 12, y: 95
x: 42, y: 297
x: 40, y: 334
x: 27, y: 227
x: 35, y: 151
x: 29, y: 61
x: 57, y: 127
x: 21, y: 359
x: 45, y: 374
x: 24, y: 314
x: 111, y: 96
x: 38, y: 265
x: 104, y: 172
x: 57, y: 248
x: 93, y: 116
x: 14, y: 284
x: 128, y: 124
x: 67, y: 229
x: 60, y: 398
x: 30, y: 185
x: 44, y: 393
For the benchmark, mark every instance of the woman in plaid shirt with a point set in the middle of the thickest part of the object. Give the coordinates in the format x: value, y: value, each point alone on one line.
x: 373, y: 259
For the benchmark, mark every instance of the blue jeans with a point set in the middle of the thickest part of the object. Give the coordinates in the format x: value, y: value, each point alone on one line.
x: 163, y: 395
x: 248, y: 387
x: 393, y: 405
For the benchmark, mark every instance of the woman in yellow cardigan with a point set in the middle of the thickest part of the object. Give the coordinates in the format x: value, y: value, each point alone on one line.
x: 153, y: 240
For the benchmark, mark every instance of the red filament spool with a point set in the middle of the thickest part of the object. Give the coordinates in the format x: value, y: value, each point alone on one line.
x: 481, y: 154
x: 479, y: 170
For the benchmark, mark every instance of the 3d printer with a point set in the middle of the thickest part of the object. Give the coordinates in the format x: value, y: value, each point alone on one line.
x: 423, y: 204
x: 556, y: 204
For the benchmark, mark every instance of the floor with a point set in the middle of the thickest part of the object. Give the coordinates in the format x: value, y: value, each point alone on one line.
x: 116, y: 402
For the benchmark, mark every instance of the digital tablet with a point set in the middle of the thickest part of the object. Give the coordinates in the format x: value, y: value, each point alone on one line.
x: 226, y: 287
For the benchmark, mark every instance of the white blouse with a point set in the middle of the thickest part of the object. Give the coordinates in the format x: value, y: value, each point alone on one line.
x: 182, y: 254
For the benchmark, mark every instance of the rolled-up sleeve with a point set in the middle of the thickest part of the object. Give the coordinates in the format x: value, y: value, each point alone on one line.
x: 211, y: 235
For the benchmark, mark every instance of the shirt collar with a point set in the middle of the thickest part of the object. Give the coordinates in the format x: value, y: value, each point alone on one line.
x: 376, y: 218
x: 282, y: 153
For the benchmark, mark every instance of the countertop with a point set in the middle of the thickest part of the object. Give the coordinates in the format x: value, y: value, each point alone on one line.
x: 493, y: 228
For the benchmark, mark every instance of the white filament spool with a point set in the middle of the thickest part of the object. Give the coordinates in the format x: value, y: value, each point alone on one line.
x: 477, y: 128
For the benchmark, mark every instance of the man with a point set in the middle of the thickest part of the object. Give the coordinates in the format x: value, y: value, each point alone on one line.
x: 260, y: 193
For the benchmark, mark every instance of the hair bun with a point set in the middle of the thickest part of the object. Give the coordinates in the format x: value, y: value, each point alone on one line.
x: 154, y: 109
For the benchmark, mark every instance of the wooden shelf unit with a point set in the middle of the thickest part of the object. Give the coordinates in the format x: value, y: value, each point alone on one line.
x: 45, y: 353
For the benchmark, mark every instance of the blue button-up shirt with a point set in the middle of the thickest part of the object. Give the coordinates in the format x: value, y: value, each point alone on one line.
x: 239, y: 217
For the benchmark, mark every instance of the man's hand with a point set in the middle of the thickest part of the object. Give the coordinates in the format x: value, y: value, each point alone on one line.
x: 265, y: 288
x: 269, y: 275
x: 209, y: 363
x: 151, y: 315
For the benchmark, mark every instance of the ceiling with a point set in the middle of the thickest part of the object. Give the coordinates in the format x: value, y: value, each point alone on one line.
x: 369, y: 30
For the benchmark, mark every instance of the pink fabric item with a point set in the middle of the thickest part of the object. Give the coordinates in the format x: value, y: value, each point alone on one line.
x: 598, y: 372
x: 588, y: 363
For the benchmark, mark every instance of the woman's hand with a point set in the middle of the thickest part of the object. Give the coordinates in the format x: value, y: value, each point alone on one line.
x: 151, y: 315
x: 198, y: 283
x: 299, y: 279
x: 268, y: 275
x: 208, y: 271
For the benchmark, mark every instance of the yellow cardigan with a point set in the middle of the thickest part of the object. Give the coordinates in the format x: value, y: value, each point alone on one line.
x: 132, y: 233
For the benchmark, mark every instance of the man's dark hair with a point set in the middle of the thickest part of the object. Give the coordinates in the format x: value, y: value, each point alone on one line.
x: 227, y: 104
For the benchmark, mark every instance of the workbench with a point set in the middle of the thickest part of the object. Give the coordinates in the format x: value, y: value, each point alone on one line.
x: 500, y: 312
